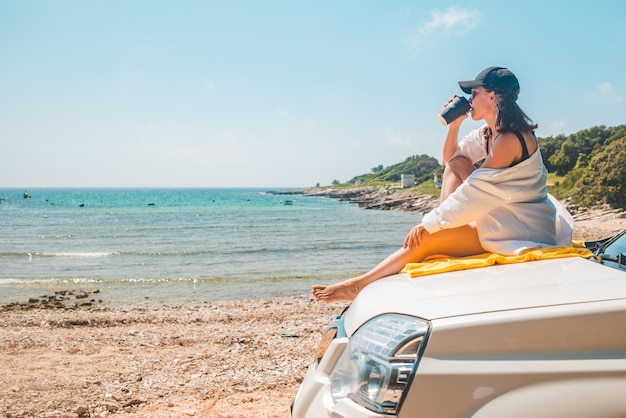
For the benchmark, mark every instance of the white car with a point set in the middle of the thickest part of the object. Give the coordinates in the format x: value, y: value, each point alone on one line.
x: 535, y: 339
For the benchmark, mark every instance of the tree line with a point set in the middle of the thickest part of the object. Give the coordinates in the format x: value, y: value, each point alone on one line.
x: 588, y: 167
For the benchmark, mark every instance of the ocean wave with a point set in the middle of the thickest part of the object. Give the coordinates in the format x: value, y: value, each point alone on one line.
x: 95, y: 254
x: 82, y: 254
x: 215, y: 280
x: 49, y: 281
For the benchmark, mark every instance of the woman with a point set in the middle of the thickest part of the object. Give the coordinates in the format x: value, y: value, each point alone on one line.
x: 502, y: 207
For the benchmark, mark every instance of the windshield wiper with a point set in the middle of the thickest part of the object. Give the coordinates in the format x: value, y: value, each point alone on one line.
x: 620, y: 259
x: 597, y: 246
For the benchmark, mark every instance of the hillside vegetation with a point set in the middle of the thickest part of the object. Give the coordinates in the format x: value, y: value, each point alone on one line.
x: 588, y: 167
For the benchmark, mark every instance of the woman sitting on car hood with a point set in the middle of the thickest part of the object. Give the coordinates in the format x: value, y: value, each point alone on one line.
x: 502, y: 207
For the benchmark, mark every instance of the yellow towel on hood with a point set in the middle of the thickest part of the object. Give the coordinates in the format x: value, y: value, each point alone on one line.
x: 443, y: 265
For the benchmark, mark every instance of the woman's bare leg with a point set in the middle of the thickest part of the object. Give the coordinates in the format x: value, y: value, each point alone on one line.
x: 455, y: 173
x: 455, y: 242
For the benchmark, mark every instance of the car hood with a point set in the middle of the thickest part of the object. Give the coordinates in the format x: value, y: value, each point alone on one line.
x: 489, y: 289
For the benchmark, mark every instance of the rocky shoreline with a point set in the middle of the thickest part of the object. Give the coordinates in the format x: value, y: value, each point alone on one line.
x: 369, y: 197
x: 60, y: 299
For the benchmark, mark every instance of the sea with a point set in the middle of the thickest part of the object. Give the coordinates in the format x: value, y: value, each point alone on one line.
x: 180, y: 245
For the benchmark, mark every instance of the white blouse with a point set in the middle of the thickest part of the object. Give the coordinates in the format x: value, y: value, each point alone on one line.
x: 511, y: 207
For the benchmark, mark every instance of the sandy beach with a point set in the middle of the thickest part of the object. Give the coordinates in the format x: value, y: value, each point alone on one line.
x: 215, y: 359
x: 218, y: 359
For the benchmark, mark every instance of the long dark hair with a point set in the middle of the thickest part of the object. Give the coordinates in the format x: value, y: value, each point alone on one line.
x: 509, y: 116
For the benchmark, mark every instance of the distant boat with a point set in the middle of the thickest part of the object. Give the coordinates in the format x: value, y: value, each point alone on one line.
x: 287, y: 202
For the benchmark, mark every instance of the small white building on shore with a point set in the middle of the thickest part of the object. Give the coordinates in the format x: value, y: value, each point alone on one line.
x: 407, y: 180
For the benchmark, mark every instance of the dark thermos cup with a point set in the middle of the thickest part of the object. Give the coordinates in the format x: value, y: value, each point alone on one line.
x: 454, y: 109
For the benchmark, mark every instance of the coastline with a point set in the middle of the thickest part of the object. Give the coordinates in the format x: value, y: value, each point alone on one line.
x: 238, y: 358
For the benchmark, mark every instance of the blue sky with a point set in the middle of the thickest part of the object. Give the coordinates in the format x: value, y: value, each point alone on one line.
x: 279, y: 93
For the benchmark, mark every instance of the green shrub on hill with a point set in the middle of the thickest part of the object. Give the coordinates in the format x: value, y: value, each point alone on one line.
x: 561, y: 154
x: 598, y: 178
x: 598, y: 173
x: 419, y: 165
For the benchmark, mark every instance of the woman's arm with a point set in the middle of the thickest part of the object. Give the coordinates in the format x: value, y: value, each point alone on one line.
x: 451, y: 143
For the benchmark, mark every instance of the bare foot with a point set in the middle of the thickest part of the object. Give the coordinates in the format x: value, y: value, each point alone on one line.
x: 344, y: 291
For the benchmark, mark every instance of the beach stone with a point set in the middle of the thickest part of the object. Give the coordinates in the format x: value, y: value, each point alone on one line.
x: 82, y: 411
x: 118, y: 396
x: 134, y: 402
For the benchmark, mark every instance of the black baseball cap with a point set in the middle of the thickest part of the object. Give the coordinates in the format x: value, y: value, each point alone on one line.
x: 498, y: 79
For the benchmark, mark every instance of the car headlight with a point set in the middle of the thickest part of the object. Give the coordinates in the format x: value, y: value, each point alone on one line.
x: 376, y: 366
